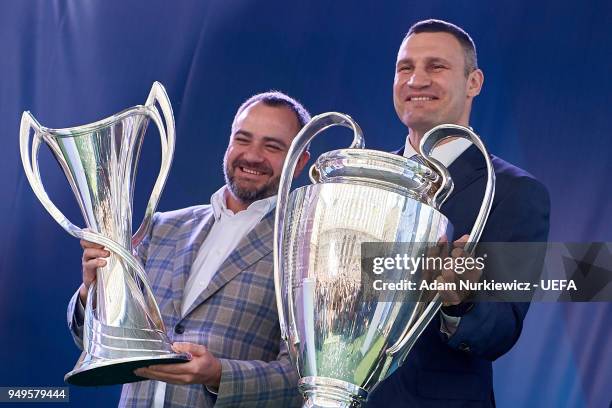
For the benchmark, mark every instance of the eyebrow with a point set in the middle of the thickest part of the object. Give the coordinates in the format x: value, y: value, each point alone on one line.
x: 243, y: 132
x: 265, y: 138
x: 427, y: 59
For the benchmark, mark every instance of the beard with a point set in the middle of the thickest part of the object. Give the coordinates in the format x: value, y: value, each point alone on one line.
x: 249, y: 194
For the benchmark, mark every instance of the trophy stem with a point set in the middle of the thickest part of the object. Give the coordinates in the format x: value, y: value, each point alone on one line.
x: 325, y: 392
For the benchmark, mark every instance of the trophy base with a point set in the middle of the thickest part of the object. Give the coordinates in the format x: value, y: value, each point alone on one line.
x: 97, y: 371
x: 324, y: 392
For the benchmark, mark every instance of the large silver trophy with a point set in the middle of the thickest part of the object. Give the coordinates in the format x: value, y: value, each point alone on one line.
x: 343, y: 339
x: 123, y: 328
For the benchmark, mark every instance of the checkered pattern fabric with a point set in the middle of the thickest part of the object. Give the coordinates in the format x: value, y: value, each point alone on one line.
x: 235, y: 317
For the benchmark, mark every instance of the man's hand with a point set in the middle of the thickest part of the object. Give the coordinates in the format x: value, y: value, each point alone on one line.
x: 203, y: 368
x: 92, y: 260
x: 454, y: 297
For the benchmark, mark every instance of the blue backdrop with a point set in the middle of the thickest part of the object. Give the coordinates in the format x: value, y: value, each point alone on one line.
x: 545, y: 107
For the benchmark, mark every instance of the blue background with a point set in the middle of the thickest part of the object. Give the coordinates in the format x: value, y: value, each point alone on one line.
x: 546, y: 106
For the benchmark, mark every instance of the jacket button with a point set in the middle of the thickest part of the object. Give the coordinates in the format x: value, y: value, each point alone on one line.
x: 464, y: 347
x: 179, y: 329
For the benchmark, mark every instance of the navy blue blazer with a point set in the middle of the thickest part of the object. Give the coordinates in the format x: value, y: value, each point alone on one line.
x: 457, y: 372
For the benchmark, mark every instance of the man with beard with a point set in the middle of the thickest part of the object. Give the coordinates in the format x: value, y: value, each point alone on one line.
x: 210, y: 267
x: 436, y: 80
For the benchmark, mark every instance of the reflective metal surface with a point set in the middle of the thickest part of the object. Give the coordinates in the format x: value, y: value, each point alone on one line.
x: 379, y: 169
x: 123, y: 328
x: 342, y: 339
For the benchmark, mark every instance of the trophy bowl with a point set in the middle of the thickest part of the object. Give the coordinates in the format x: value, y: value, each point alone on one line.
x: 342, y: 338
x: 123, y: 328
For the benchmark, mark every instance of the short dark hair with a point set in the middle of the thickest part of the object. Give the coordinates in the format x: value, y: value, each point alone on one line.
x: 277, y: 98
x: 441, y: 26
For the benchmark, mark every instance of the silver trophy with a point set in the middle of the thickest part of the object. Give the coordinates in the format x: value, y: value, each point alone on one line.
x: 123, y: 328
x: 345, y: 340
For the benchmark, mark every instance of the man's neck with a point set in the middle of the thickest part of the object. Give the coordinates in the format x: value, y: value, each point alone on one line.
x: 234, y: 204
x: 415, y: 137
x: 414, y: 141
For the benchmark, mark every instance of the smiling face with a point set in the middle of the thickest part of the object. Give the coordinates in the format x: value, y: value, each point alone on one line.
x: 431, y: 86
x: 253, y: 162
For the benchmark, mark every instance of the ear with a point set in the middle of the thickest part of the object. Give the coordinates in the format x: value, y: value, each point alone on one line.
x: 474, y: 82
x: 305, y: 156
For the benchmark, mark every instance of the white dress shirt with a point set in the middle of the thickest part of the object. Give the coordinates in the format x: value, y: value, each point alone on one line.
x: 446, y: 154
x: 224, y: 236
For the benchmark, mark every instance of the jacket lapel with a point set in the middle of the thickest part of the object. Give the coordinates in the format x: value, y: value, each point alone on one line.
x: 465, y: 170
x: 190, y: 238
x: 254, y: 246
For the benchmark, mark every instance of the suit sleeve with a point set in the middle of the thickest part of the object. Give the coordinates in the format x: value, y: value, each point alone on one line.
x: 75, y: 312
x: 490, y: 329
x: 75, y: 320
x: 258, y: 383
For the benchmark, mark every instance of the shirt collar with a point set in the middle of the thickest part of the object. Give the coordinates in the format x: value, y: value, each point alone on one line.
x: 446, y: 153
x: 219, y: 205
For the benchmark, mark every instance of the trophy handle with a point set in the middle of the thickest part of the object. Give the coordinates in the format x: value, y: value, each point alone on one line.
x: 167, y: 136
x: 446, y: 186
x: 429, y: 141
x: 30, y: 165
x: 441, y: 132
x: 316, y: 125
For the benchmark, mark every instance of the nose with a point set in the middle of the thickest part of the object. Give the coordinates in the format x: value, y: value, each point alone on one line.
x: 418, y: 79
x: 254, y: 154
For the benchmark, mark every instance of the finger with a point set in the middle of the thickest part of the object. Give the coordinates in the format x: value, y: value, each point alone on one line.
x: 442, y: 245
x: 165, y: 377
x: 171, y: 369
x: 92, y: 253
x: 460, y: 243
x: 458, y: 252
x: 444, y: 248
x: 94, y: 264
x: 428, y: 274
x: 447, y: 275
x: 472, y: 275
x: 448, y: 297
x: 88, y: 244
x: 189, y: 348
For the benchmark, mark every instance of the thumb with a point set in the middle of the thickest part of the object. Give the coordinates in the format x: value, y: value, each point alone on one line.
x: 460, y: 243
x: 190, y: 348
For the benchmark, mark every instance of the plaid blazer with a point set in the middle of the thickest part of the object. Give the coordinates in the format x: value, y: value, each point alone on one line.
x: 235, y: 317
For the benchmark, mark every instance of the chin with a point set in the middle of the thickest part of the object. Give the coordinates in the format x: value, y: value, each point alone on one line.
x: 420, y: 125
x: 249, y: 186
